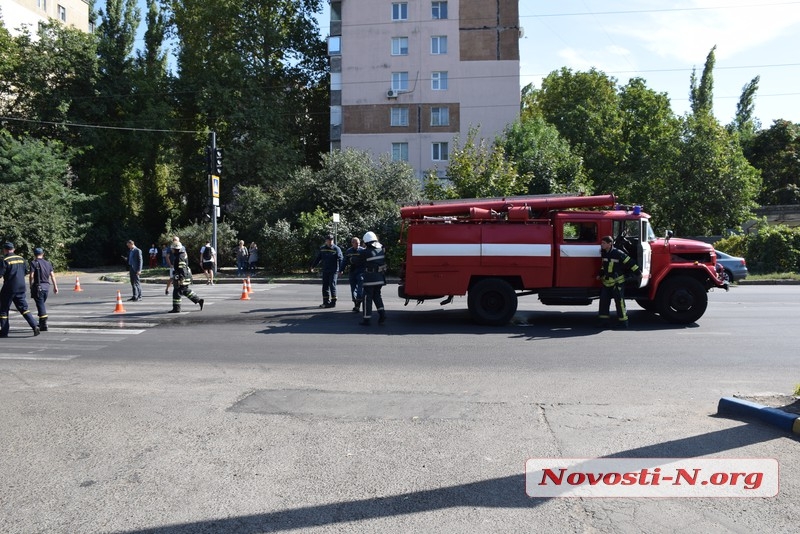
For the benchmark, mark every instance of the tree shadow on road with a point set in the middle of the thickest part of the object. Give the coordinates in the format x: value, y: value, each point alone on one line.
x: 503, y: 492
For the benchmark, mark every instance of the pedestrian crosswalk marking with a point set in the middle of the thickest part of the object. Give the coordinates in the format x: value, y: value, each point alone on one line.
x: 59, y: 357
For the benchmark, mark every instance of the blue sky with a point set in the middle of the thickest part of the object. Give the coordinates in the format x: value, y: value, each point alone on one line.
x: 662, y: 42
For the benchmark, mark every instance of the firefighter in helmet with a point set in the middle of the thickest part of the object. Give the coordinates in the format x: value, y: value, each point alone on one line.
x: 182, y: 279
x: 372, y: 258
x: 616, y: 268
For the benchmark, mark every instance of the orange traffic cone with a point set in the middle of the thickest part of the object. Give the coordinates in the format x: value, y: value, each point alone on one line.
x: 77, y: 284
x: 244, y: 296
x: 119, y: 308
x: 249, y: 286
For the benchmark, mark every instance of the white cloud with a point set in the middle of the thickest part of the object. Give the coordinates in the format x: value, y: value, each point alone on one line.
x: 689, y: 35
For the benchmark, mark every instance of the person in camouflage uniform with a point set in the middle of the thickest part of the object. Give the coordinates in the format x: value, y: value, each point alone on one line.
x: 182, y: 279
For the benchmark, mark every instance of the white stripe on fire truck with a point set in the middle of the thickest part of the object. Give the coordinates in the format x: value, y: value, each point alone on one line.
x: 476, y: 249
x: 580, y: 251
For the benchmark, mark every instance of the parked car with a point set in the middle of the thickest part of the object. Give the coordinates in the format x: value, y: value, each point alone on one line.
x: 734, y: 266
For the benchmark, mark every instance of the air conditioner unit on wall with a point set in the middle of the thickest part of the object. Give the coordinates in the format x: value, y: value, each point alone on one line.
x: 391, y: 93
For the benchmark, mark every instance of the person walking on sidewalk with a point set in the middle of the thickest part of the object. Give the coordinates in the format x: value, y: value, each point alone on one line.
x: 13, y: 270
x: 41, y: 278
x: 182, y: 279
x: 135, y: 265
x: 208, y: 259
x: 355, y: 273
x: 373, y: 259
x: 332, y: 260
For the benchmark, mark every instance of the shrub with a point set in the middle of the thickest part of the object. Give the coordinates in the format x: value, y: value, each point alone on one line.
x: 770, y: 249
x: 195, y: 235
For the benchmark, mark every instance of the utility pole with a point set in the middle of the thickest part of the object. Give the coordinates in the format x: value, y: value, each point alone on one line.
x: 214, y: 171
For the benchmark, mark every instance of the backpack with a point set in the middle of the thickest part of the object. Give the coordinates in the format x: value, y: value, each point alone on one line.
x: 207, y: 253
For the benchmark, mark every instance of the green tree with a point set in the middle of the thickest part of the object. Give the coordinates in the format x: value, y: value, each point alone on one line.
x: 745, y: 123
x: 48, y: 80
x: 365, y: 193
x: 543, y: 158
x: 715, y: 187
x: 41, y: 207
x: 477, y: 169
x: 253, y: 71
x: 153, y: 148
x: 776, y: 153
x: 651, y: 137
x: 585, y: 108
x: 701, y: 94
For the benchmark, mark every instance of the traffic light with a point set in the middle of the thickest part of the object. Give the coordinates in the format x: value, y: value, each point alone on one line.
x: 217, y: 161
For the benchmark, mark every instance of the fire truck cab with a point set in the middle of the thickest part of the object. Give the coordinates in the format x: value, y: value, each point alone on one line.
x: 495, y: 250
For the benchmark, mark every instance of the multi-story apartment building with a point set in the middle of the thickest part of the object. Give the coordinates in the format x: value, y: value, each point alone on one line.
x: 18, y: 13
x: 409, y: 76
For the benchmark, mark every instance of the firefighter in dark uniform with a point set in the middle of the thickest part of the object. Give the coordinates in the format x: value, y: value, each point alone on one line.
x: 615, y: 269
x: 182, y: 279
x: 13, y: 270
x: 332, y: 260
x: 41, y: 278
x: 373, y: 260
x: 356, y: 273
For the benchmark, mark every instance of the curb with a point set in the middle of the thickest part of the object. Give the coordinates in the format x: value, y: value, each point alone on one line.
x: 731, y: 406
x: 768, y: 282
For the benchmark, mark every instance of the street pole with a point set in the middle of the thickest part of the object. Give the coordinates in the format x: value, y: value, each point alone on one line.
x: 213, y: 189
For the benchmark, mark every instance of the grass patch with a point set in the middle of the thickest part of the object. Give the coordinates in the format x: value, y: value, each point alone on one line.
x: 773, y: 276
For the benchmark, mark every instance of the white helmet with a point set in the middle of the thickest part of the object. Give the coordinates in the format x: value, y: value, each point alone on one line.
x: 369, y: 237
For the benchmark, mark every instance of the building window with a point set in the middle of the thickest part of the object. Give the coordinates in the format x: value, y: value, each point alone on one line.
x: 399, y: 117
x: 336, y: 115
x: 400, y: 81
x: 41, y: 4
x: 334, y: 46
x: 439, y: 44
x: 399, y: 46
x: 439, y: 81
x: 440, y: 116
x: 399, y: 151
x: 439, y: 151
x: 400, y: 11
x: 439, y: 10
x: 62, y: 13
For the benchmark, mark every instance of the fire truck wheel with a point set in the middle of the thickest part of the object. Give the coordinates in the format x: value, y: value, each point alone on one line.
x: 492, y: 301
x: 682, y: 300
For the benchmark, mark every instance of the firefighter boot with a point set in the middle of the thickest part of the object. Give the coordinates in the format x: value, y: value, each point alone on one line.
x: 175, y: 308
x: 332, y: 303
x: 356, y: 306
x: 201, y: 302
x: 43, y: 324
x: 381, y: 316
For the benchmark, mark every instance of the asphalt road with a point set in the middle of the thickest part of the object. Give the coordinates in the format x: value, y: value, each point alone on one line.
x: 271, y: 415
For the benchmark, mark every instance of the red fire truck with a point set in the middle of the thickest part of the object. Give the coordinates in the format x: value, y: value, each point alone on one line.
x: 495, y: 250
